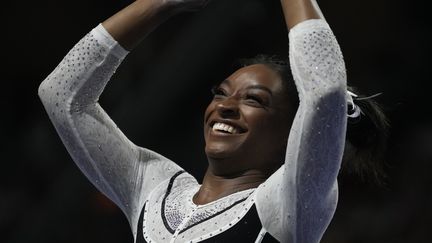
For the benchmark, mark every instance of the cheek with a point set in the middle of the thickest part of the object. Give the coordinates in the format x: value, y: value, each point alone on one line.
x: 258, y: 117
x: 260, y: 123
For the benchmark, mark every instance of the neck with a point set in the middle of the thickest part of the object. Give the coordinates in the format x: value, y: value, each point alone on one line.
x: 218, y: 186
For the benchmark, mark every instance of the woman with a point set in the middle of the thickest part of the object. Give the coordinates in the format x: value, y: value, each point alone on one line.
x: 273, y: 163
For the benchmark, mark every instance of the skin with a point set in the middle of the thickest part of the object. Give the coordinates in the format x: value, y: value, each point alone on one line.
x: 133, y: 23
x: 254, y: 101
x: 241, y: 161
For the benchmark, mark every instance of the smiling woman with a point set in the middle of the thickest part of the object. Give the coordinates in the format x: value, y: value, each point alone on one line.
x: 273, y: 161
x: 248, y: 107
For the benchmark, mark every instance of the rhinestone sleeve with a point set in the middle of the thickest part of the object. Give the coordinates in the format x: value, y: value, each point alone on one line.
x: 112, y: 162
x: 297, y: 202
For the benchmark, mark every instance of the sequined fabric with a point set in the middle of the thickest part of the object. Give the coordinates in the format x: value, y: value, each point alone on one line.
x: 123, y: 171
x: 171, y: 215
x: 295, y: 204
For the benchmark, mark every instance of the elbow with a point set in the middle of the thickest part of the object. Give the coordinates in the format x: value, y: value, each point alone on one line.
x: 50, y: 95
x: 43, y: 92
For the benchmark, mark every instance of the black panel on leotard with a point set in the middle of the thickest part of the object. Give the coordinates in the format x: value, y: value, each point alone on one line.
x: 245, y: 231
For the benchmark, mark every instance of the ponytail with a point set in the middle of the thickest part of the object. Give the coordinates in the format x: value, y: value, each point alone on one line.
x: 366, y: 140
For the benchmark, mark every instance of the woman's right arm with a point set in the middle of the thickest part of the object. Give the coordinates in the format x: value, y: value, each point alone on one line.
x: 123, y: 171
x: 136, y: 21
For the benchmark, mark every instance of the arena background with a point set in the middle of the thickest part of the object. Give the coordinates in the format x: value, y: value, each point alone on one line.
x: 157, y: 97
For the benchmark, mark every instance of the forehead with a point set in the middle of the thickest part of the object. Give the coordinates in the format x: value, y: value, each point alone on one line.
x: 255, y: 75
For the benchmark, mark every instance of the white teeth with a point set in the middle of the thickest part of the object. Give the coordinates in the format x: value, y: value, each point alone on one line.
x: 224, y: 127
x: 230, y: 129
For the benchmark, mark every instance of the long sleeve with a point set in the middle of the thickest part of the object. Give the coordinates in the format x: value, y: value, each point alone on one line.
x: 298, y: 201
x: 123, y: 171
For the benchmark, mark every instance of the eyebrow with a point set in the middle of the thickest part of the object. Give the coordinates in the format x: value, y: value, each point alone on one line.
x: 255, y: 86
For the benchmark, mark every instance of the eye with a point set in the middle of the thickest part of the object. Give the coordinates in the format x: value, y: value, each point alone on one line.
x: 218, y: 92
x: 254, y: 100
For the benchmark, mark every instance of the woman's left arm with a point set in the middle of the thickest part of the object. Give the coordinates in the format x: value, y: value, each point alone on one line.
x: 298, y: 201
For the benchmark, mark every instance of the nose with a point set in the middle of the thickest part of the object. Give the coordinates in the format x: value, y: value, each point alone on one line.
x: 228, y: 108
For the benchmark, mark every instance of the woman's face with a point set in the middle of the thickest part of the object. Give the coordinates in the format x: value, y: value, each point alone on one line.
x: 246, y: 125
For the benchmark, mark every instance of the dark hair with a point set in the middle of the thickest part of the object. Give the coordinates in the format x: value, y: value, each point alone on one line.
x: 366, y: 138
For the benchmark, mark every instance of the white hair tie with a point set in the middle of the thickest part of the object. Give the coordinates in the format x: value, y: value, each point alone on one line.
x: 355, y: 110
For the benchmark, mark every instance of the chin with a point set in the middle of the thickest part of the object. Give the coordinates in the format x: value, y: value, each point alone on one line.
x: 220, y: 147
x: 218, y: 152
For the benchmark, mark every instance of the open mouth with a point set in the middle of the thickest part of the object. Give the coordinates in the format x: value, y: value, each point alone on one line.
x: 226, y: 128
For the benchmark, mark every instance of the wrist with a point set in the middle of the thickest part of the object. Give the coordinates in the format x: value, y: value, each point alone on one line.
x: 296, y: 11
x: 163, y: 7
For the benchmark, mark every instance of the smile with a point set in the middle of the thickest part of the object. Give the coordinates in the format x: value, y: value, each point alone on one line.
x: 225, y: 128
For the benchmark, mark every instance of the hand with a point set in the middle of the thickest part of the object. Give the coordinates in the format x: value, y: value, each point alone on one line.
x: 136, y: 21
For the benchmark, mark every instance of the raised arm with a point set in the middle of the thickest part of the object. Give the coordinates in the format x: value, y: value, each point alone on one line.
x: 304, y: 190
x: 123, y: 171
x: 131, y: 25
x: 297, y: 11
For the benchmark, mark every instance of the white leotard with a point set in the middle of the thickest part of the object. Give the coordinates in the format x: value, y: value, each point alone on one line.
x: 295, y: 204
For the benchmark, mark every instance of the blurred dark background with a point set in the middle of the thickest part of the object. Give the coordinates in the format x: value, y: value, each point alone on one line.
x: 158, y: 96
